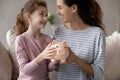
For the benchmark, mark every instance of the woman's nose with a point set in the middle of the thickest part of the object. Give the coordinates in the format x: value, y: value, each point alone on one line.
x: 58, y: 12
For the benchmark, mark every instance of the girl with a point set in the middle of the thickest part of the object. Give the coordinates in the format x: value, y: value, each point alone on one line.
x: 85, y: 34
x: 32, y: 56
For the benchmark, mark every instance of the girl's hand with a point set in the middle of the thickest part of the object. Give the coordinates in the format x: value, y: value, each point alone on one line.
x: 48, y: 53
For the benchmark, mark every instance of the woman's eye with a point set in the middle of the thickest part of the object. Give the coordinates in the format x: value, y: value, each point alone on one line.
x: 59, y: 7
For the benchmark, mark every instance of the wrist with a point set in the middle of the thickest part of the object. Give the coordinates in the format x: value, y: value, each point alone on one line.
x: 39, y: 59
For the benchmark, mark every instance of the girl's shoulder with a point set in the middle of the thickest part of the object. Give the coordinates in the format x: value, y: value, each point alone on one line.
x: 24, y: 38
x: 21, y: 36
x: 46, y: 36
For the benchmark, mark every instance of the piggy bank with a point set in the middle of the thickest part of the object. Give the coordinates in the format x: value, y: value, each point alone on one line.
x: 62, y: 51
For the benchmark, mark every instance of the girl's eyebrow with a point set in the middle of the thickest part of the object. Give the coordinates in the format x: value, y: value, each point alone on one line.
x: 42, y: 12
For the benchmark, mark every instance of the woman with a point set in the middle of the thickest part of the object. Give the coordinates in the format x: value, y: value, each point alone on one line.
x: 84, y: 31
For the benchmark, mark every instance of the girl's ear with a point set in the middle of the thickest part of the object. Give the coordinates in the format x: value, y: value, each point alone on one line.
x: 74, y: 8
x: 27, y: 16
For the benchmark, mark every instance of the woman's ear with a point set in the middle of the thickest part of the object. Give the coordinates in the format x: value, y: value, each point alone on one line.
x: 74, y: 8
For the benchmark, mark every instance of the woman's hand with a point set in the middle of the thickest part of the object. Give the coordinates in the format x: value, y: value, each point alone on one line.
x: 48, y: 53
x: 82, y: 64
x: 71, y: 57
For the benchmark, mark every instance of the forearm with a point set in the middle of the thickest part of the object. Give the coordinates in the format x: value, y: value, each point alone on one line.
x: 84, y: 66
x: 29, y: 67
x: 39, y: 59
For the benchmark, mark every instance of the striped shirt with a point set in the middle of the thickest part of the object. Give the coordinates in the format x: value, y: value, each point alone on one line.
x: 89, y: 45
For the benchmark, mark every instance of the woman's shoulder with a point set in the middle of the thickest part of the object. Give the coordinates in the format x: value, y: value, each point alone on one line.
x: 96, y: 30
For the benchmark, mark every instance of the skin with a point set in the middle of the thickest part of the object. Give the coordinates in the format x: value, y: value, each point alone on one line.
x: 72, y: 20
x: 37, y: 20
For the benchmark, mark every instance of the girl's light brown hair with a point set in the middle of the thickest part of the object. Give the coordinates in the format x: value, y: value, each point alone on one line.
x: 29, y: 7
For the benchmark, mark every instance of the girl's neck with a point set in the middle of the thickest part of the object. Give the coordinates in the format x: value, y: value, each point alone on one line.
x: 34, y: 33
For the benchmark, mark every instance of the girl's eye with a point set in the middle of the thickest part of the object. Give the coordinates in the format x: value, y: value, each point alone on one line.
x: 41, y: 14
x: 56, y: 46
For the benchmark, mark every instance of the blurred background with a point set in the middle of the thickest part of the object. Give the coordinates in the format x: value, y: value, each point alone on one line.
x: 10, y: 8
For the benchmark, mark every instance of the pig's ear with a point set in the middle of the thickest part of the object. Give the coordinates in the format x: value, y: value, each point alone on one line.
x: 54, y: 42
x: 65, y: 42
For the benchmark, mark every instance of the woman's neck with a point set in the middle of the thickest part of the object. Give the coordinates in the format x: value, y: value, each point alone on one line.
x: 76, y: 24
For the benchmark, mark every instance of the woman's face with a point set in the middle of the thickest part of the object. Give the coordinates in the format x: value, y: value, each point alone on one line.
x: 64, y: 11
x: 39, y: 17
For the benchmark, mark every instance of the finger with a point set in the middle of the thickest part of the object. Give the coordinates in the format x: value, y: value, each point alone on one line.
x: 52, y: 47
x: 50, y: 57
x: 49, y: 44
x: 52, y: 51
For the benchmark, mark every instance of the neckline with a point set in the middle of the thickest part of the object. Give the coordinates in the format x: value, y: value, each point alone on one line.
x: 86, y: 29
x: 33, y: 38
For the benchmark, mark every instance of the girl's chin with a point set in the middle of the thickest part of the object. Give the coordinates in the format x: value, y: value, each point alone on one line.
x: 42, y: 27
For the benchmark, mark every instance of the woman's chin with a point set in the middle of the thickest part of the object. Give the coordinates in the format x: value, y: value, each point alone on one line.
x: 64, y: 22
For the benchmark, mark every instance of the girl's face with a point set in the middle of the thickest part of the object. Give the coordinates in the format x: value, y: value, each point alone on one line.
x: 39, y: 17
x: 64, y: 11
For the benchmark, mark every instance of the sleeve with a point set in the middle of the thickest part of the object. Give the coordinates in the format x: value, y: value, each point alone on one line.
x: 99, y: 57
x: 26, y: 66
x: 55, y: 33
x: 52, y: 65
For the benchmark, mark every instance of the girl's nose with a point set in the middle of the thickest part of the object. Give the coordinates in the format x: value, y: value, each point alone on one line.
x: 45, y: 18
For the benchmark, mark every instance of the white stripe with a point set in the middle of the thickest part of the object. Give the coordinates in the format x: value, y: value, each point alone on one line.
x: 89, y: 46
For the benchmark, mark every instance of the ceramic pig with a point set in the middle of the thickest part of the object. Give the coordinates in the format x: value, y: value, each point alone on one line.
x: 62, y: 51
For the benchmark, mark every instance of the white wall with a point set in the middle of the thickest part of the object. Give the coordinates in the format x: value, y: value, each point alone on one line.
x: 10, y: 8
x: 8, y: 12
x: 111, y: 17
